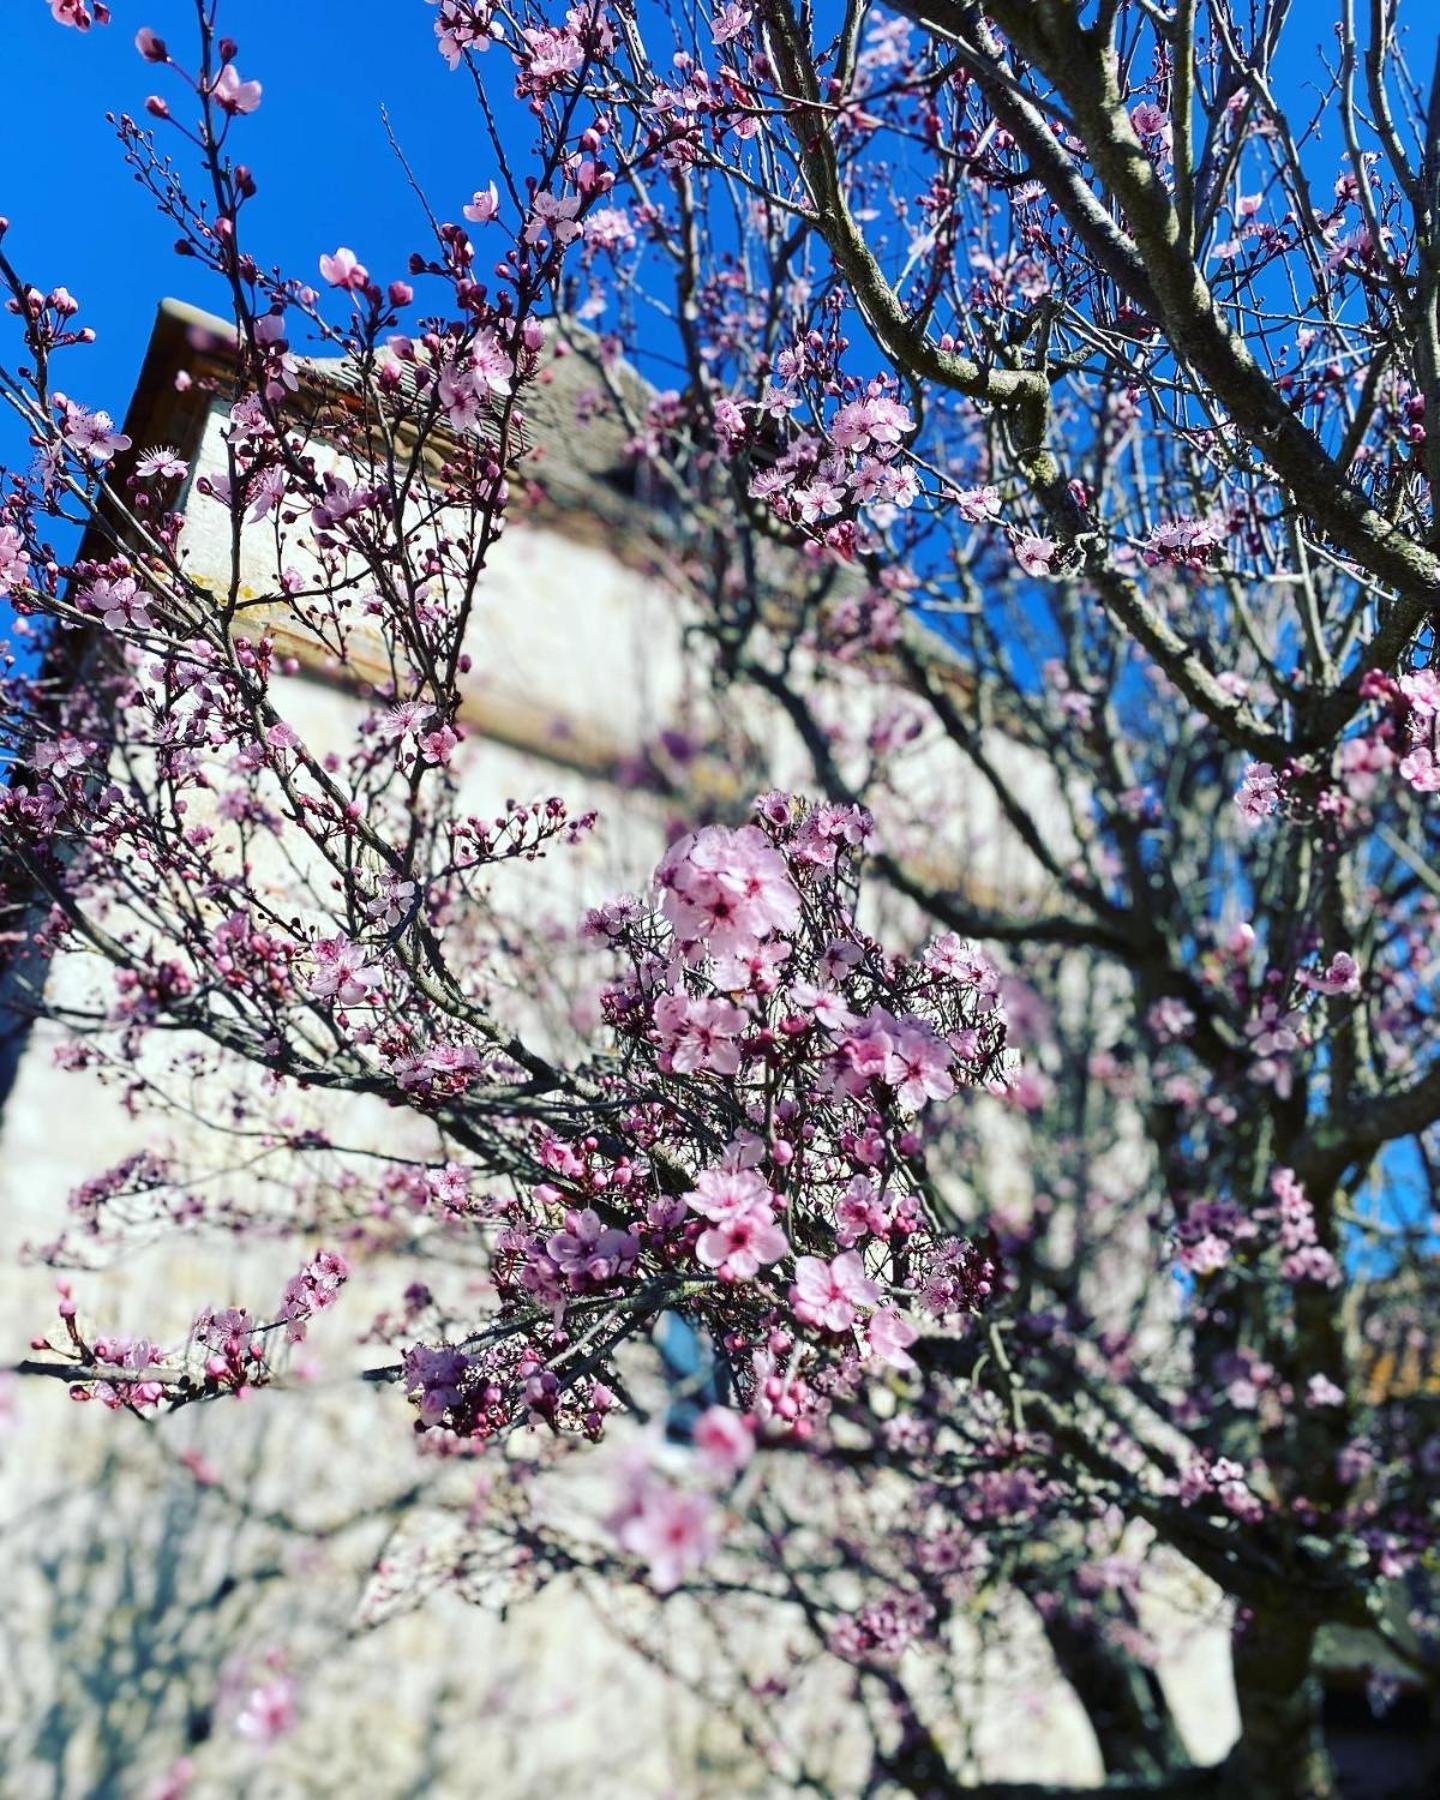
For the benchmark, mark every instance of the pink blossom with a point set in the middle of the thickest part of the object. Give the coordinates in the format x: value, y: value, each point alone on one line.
x: 819, y: 499
x: 826, y: 1006
x: 14, y: 563
x: 461, y: 27
x: 344, y: 972
x: 1150, y: 120
x: 315, y: 1289
x: 672, y: 1532
x: 740, y: 1244
x: 725, y: 1441
x: 862, y: 1211
x: 90, y: 434
x: 443, y: 1069
x: 1421, y: 687
x: 699, y: 1034
x: 234, y: 95
x: 832, y: 1295
x: 465, y: 387
x: 1035, y: 554
x: 1184, y: 543
x: 1320, y: 1390
x: 163, y: 463
x: 344, y: 270
x: 553, y: 54
x: 1258, y: 794
x: 62, y: 755
x: 118, y: 602
x: 78, y: 15
x: 267, y: 1712
x: 1170, y: 1019
x: 1421, y: 768
x: 753, y: 968
x: 150, y: 45
x: 609, y: 228
x: 917, y: 1065
x: 439, y: 745
x: 1340, y: 976
x: 435, y: 1373
x: 874, y: 420
x: 950, y: 956
x: 888, y: 1337
x: 976, y: 505
x: 726, y: 890
x: 590, y: 1252
x: 556, y: 215
x: 484, y: 206
x: 725, y: 1193
x: 864, y: 1053
x: 730, y: 21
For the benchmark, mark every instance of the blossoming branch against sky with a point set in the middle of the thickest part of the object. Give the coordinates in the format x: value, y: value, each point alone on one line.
x: 317, y: 142
x: 977, y: 1151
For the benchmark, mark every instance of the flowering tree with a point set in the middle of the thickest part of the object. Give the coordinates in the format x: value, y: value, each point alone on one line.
x: 1061, y: 378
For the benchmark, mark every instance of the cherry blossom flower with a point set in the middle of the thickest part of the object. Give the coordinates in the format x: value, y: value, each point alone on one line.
x: 484, y: 205
x: 443, y: 1069
x: 89, y: 434
x: 344, y: 972
x: 1258, y: 795
x: 163, y: 463
x: 699, y: 1034
x: 725, y: 1193
x: 234, y: 95
x: 1421, y: 768
x: 1035, y: 554
x: 1340, y: 976
x: 78, y: 15
x: 1170, y: 1019
x: 14, y: 563
x: 553, y: 54
x: 118, y: 602
x: 729, y: 21
x: 917, y: 1065
x: 977, y: 505
x: 588, y: 1252
x: 724, y: 1440
x: 860, y: 1212
x: 888, y: 1337
x: 268, y: 1711
x: 62, y: 755
x: 314, y: 1289
x: 726, y: 890
x: 555, y: 214
x: 832, y: 1295
x: 435, y: 1374
x: 464, y: 25
x: 673, y: 1533
x: 741, y: 1243
x: 1320, y: 1390
x: 344, y: 270
x: 875, y: 420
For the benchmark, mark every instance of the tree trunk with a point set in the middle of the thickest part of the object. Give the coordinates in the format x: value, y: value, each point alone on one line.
x: 1281, y: 1754
x: 1124, y: 1701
